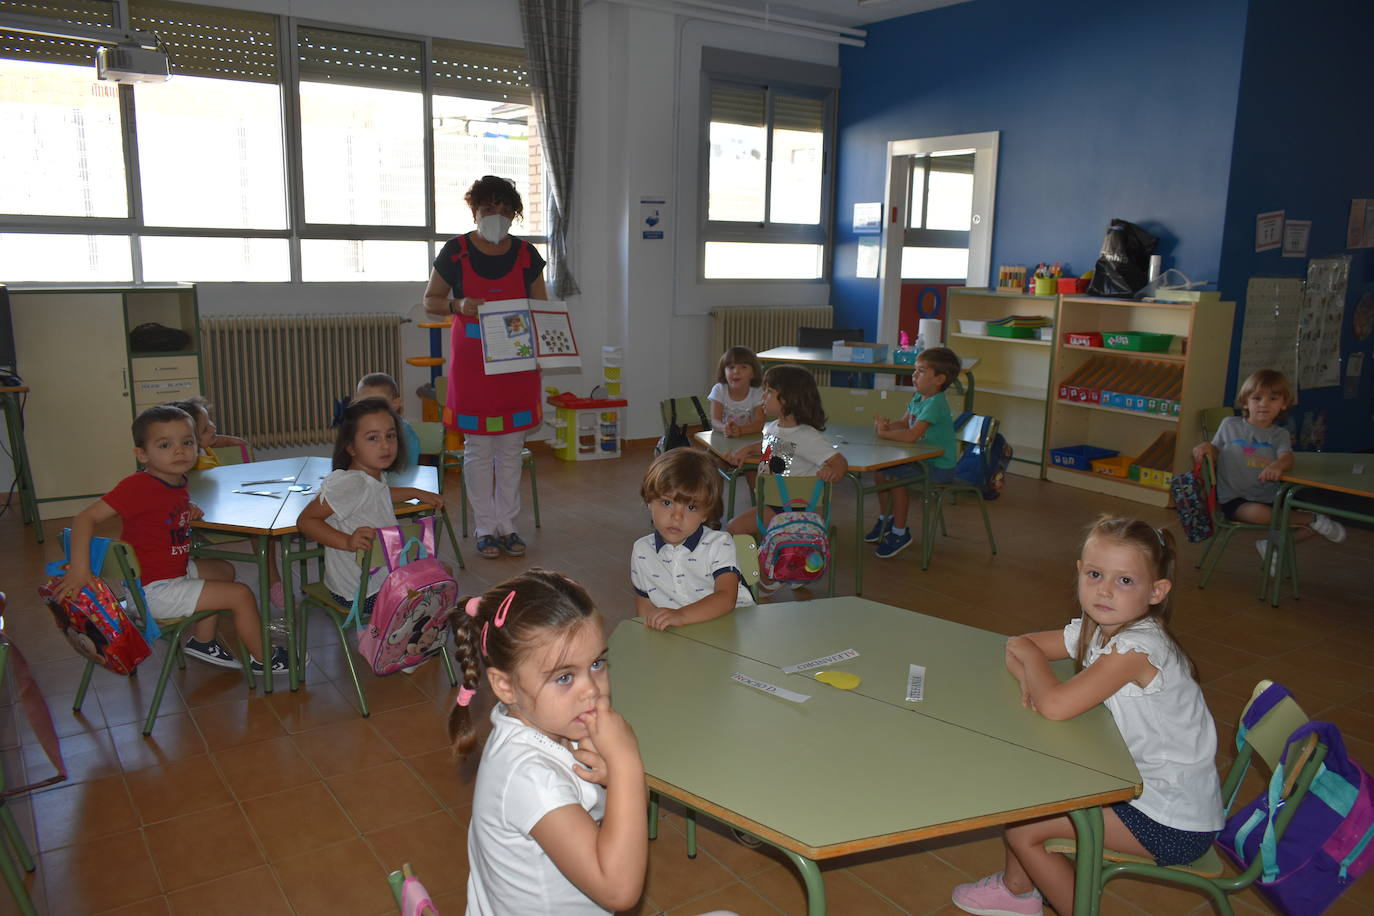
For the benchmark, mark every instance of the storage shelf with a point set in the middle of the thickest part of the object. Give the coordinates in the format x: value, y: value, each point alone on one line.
x: 1015, y: 340
x: 1028, y: 392
x: 1128, y: 303
x: 1129, y: 354
x: 1121, y: 480
x: 1128, y: 413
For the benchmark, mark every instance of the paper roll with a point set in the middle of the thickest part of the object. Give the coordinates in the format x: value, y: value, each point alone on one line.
x: 932, y: 331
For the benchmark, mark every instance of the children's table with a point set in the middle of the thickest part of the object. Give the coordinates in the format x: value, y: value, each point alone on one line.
x: 10, y: 402
x: 847, y: 771
x: 822, y: 358
x: 865, y: 452
x: 231, y: 496
x: 1351, y: 473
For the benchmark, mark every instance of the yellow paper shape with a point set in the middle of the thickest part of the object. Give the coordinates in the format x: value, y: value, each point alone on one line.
x: 844, y: 680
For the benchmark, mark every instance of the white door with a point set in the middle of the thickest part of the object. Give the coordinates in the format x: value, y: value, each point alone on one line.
x: 72, y: 353
x: 938, y: 216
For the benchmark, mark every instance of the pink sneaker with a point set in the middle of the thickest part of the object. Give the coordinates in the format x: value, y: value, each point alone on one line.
x: 990, y: 897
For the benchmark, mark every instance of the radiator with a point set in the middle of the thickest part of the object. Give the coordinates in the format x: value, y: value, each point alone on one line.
x: 273, y: 379
x: 762, y: 328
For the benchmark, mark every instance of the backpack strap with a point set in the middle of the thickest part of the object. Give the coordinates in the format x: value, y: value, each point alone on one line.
x: 701, y: 414
x: 1331, y: 785
x: 672, y: 413
x: 395, y: 547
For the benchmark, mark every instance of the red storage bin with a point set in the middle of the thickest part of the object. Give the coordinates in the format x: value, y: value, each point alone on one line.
x: 1083, y: 339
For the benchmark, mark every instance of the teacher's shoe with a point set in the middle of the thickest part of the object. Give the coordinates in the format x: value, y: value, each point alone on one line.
x: 990, y: 897
x: 489, y: 546
x: 511, y: 544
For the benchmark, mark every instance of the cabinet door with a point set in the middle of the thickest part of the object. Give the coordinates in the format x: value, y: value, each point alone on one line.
x: 72, y: 353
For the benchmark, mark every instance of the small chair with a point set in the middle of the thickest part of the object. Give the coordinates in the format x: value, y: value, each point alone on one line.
x: 234, y: 454
x: 453, y: 458
x: 1211, y: 417
x: 747, y: 561
x: 978, y: 432
x: 1223, y: 528
x: 318, y: 593
x: 1267, y: 739
x: 686, y: 410
x: 121, y: 565
x: 768, y: 494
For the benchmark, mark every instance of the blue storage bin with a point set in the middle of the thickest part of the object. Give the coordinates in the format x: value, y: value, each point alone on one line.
x: 1080, y: 457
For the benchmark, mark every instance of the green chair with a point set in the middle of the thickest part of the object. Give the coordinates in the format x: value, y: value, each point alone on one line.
x: 1266, y: 739
x: 453, y: 458
x: 1223, y: 528
x: 977, y: 432
x: 1211, y: 417
x: 859, y: 406
x: 10, y: 837
x: 768, y: 494
x: 318, y: 594
x: 747, y: 561
x: 121, y: 565
x: 233, y: 454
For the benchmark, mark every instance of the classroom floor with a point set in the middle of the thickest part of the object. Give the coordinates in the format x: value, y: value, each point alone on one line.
x: 292, y: 803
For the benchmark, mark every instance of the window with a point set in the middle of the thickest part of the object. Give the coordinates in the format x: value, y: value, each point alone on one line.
x: 768, y: 152
x: 278, y: 151
x: 939, y: 215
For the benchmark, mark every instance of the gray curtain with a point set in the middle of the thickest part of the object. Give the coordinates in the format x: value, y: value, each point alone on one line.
x: 552, y: 38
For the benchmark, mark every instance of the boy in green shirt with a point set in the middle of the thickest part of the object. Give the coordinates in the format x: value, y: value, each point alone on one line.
x: 928, y: 419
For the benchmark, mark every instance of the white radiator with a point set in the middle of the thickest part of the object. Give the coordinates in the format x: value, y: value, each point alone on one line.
x: 273, y: 379
x: 762, y: 328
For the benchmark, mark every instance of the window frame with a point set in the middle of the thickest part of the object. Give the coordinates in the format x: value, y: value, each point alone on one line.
x: 135, y: 228
x: 734, y: 70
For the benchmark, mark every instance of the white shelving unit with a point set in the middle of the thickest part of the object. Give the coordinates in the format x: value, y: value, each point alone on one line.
x: 1013, y: 375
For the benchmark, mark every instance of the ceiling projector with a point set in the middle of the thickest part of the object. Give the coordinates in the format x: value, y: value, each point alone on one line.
x: 131, y: 63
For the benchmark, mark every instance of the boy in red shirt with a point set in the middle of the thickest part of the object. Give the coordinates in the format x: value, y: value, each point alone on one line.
x: 156, y: 514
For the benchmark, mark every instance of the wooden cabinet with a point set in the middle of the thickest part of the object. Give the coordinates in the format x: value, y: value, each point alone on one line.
x: 86, y: 384
x: 1013, y: 374
x: 1162, y: 392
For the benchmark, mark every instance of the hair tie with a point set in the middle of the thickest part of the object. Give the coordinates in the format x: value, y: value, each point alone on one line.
x: 465, y: 695
x: 472, y: 606
x: 504, y: 608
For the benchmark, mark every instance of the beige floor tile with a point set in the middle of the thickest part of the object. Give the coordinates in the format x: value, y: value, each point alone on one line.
x: 200, y: 847
x: 382, y: 796
x: 253, y: 891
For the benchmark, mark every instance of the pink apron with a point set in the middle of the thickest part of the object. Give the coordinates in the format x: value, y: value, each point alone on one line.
x: 481, y: 404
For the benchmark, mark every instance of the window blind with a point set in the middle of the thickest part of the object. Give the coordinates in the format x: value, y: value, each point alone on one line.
x: 479, y: 71
x: 210, y: 41
x: 792, y: 112
x: 56, y: 50
x: 737, y: 106
x: 356, y: 59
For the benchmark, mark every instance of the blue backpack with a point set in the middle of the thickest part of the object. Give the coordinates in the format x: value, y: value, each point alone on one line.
x: 988, y: 471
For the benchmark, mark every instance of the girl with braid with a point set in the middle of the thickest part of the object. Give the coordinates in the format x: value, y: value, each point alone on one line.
x: 558, y: 811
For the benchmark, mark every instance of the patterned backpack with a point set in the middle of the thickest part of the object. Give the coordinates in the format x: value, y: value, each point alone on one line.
x: 1195, y: 502
x: 796, y: 544
x: 1327, y: 841
x: 409, y: 620
x: 94, y: 620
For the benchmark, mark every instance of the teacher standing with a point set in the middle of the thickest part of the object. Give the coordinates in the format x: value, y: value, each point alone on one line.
x: 493, y: 412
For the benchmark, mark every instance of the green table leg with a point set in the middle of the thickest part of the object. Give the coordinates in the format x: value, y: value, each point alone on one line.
x: 1087, y: 891
x: 295, y: 654
x: 261, y: 544
x: 23, y: 473
x: 815, y: 887
x: 858, y: 533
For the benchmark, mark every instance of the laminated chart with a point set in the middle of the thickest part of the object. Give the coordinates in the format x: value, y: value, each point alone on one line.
x: 1269, y: 338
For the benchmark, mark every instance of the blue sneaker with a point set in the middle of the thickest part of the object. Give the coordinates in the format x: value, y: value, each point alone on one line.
x: 879, y: 529
x: 893, y: 544
x: 511, y: 544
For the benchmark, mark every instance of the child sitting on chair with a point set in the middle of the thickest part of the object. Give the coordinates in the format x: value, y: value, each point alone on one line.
x: 684, y: 572
x: 927, y: 417
x: 208, y: 438
x: 381, y: 385
x: 156, y: 514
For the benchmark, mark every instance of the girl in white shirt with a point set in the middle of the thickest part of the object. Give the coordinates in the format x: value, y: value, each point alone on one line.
x: 354, y: 501
x: 737, y: 397
x: 1126, y: 658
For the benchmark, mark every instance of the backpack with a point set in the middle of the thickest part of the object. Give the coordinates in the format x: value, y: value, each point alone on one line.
x: 1195, y: 502
x: 987, y: 473
x: 796, y: 544
x: 409, y: 620
x: 675, y: 436
x: 94, y: 620
x: 1327, y: 843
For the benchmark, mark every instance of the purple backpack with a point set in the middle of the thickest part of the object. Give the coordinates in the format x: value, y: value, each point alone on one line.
x: 410, y: 616
x: 1327, y: 842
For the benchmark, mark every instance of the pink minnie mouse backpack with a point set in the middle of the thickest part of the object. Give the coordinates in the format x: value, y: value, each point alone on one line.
x: 408, y: 617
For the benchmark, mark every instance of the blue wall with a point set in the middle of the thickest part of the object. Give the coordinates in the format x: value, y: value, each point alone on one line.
x: 1103, y: 113
x: 1304, y: 144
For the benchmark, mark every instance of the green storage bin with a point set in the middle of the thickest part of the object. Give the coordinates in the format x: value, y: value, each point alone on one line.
x: 1011, y: 330
x: 1142, y: 341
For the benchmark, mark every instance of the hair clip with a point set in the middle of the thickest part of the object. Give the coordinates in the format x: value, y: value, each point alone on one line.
x: 465, y: 695
x: 340, y: 405
x: 504, y: 608
x: 472, y: 606
x: 484, y: 636
x: 1159, y: 534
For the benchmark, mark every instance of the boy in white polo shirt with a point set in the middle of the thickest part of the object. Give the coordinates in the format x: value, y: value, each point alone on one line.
x: 684, y: 572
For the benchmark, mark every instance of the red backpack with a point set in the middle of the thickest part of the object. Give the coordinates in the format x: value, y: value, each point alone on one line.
x: 94, y: 620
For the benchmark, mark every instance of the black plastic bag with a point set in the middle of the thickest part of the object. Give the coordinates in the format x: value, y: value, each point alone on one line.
x: 158, y: 338
x: 1123, y: 267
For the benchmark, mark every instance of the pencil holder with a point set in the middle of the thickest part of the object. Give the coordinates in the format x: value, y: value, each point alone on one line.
x: 1045, y: 286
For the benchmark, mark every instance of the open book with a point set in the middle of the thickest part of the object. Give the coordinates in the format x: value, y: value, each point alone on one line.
x: 523, y: 334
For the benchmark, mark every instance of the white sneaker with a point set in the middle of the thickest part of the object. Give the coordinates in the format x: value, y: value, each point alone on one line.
x: 1262, y: 546
x: 1328, y: 528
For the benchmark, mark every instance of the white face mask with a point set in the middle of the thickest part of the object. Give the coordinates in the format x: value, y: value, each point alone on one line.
x: 493, y: 227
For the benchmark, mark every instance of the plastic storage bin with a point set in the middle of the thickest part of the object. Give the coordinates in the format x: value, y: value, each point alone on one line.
x: 1119, y: 466
x: 1137, y: 340
x: 1080, y: 457
x: 1011, y: 330
x: 970, y: 326
x: 1083, y: 339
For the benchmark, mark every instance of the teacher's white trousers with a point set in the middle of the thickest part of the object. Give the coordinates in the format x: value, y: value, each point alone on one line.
x: 491, y: 472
